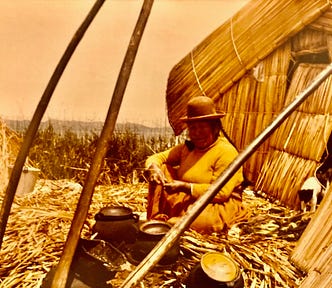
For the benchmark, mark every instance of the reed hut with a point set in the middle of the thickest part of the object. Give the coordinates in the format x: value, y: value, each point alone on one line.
x: 252, y: 66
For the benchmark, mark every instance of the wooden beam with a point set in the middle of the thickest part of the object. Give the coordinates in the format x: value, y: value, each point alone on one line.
x: 37, y: 117
x: 63, y: 268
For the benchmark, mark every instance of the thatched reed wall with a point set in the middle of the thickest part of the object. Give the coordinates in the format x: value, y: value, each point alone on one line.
x: 313, y: 253
x: 317, y: 279
x: 323, y: 23
x: 252, y: 103
x: 233, y: 49
x: 299, y: 143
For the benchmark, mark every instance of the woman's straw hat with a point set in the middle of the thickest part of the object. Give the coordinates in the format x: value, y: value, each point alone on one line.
x: 201, y: 108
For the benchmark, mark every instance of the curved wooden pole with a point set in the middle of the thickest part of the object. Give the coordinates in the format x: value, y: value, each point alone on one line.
x: 62, y: 270
x: 174, y: 233
x: 37, y: 117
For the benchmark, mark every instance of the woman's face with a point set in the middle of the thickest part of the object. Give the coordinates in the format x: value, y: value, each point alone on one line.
x: 201, y: 133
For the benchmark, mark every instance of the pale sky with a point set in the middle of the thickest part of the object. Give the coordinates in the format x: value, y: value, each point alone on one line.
x: 35, y: 33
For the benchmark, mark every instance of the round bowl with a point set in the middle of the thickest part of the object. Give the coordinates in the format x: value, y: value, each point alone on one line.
x: 219, y: 267
x: 150, y: 233
x: 215, y: 270
x: 155, y: 228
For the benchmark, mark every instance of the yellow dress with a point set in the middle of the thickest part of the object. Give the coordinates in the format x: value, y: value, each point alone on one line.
x: 200, y: 167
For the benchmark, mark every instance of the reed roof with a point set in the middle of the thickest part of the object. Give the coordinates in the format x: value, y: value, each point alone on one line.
x: 234, y: 48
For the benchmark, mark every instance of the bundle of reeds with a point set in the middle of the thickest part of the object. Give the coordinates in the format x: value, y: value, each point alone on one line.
x: 252, y: 103
x: 303, y: 135
x: 282, y: 176
x: 299, y: 143
x: 234, y: 48
x: 308, y: 41
x: 9, y: 146
x: 319, y: 102
x: 329, y: 45
x: 324, y: 22
x: 317, y: 279
x: 10, y: 143
x: 3, y: 153
x: 314, y: 249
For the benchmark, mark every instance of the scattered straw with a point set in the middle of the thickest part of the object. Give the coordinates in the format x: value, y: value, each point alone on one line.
x: 39, y: 223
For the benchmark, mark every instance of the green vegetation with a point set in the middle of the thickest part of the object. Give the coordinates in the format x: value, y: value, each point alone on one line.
x: 68, y: 155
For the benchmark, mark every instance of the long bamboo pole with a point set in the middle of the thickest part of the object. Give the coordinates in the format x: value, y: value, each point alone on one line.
x: 62, y: 270
x: 174, y: 233
x: 37, y: 117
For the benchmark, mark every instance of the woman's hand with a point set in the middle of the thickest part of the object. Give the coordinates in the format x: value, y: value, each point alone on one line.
x: 177, y: 186
x: 154, y: 174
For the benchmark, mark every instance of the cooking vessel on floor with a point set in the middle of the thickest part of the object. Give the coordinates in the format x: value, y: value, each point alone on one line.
x: 116, y: 224
x: 150, y: 233
x: 215, y: 270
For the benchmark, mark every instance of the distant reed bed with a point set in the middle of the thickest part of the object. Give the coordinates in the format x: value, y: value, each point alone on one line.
x: 66, y: 154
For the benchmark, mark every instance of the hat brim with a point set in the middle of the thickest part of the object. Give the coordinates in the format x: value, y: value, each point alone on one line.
x: 204, y: 117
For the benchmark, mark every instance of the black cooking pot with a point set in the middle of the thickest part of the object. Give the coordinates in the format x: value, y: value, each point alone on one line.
x: 150, y: 233
x: 116, y: 224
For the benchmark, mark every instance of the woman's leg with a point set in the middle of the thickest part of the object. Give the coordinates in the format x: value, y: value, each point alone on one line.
x: 162, y: 205
x: 155, y: 200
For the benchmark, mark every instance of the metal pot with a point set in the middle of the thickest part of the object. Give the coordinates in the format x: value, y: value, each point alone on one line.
x: 116, y: 224
x: 150, y: 233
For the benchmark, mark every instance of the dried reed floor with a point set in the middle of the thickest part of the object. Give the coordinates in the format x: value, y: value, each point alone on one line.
x: 39, y: 222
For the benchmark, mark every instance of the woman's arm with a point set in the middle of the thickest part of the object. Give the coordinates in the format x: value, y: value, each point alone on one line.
x: 224, y: 194
x: 154, y: 163
x: 170, y: 157
x: 222, y: 159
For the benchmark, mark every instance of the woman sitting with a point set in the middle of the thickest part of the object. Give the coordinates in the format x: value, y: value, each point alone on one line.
x: 179, y: 176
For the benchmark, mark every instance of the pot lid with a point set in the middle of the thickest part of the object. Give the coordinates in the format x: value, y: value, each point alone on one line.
x: 219, y: 267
